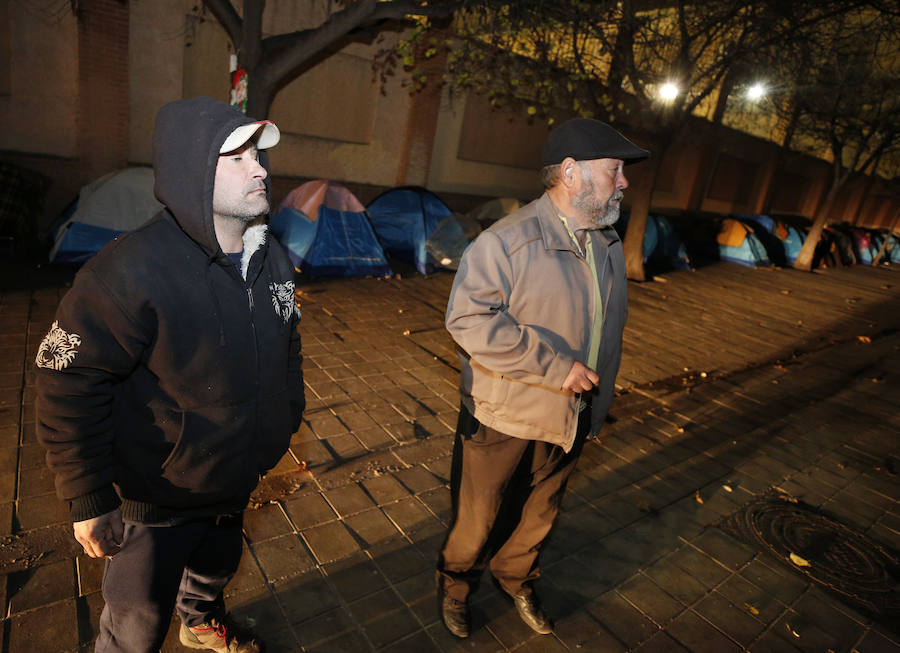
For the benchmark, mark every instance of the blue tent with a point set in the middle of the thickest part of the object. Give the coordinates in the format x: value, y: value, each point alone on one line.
x: 111, y: 205
x: 403, y: 219
x: 662, y: 248
x: 782, y: 242
x: 738, y: 244
x: 326, y: 232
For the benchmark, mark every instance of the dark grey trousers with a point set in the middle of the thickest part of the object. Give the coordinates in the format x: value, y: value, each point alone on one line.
x: 159, y: 568
x: 506, y: 494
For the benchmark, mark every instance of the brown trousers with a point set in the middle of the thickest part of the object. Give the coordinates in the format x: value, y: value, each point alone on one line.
x: 506, y: 494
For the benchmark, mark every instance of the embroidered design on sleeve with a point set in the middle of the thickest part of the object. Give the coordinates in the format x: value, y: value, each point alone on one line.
x: 58, y: 348
x: 283, y: 300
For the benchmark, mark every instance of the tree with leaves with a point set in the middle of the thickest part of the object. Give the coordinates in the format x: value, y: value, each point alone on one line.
x: 842, y: 103
x: 273, y: 61
x: 649, y: 67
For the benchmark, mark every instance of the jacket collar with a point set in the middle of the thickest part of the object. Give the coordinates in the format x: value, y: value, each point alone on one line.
x: 554, y: 233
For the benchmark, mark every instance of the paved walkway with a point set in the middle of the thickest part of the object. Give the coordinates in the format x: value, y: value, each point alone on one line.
x: 734, y: 382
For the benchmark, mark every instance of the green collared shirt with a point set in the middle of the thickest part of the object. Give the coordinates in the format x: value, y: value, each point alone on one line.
x: 597, y: 326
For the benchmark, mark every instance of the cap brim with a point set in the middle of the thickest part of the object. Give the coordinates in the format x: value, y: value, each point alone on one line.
x: 268, y: 136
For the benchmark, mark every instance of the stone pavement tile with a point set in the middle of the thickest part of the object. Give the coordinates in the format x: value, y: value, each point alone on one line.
x: 430, y: 543
x: 855, y: 514
x: 737, y: 623
x: 282, y: 557
x: 481, y: 639
x: 7, y: 484
x: 805, y: 635
x: 581, y: 631
x: 887, y: 536
x: 398, y: 559
x: 699, y: 636
x: 6, y: 518
x: 572, y: 576
x: 265, y: 522
x: 39, y: 586
x: 323, y: 627
x: 384, y: 489
x: 349, y: 499
x: 870, y: 496
x: 411, y: 516
x: 391, y: 626
x: 49, y: 628
x: 675, y: 581
x: 417, y: 479
x: 375, y: 605
x: 31, y: 456
x: 440, y: 467
x: 9, y: 434
x: 371, y: 527
x: 678, y: 519
x: 628, y: 624
x: 875, y: 642
x: 418, y: 642
x: 661, y: 643
x: 623, y: 507
x: 823, y: 611
x: 355, y: 576
x: 314, y: 453
x: 498, y: 615
x: 90, y: 574
x: 751, y: 599
x: 776, y: 579
x: 309, y: 510
x: 699, y: 566
x: 439, y: 502
x: 374, y: 437
x: 797, y: 490
x: 770, y: 642
x: 725, y: 549
x: 330, y: 541
x: 305, y: 596
x: 346, y: 447
x: 650, y: 599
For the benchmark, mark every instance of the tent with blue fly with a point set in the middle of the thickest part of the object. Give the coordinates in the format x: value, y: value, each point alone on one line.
x: 782, y: 241
x: 113, y: 204
x: 327, y: 233
x: 739, y: 244
x: 403, y: 219
x: 662, y: 248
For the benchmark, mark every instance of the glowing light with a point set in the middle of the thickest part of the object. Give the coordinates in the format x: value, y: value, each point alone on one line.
x: 668, y: 91
x: 756, y: 91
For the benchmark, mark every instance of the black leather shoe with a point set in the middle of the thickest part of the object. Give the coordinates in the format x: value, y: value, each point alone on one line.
x: 531, y: 613
x: 454, y: 614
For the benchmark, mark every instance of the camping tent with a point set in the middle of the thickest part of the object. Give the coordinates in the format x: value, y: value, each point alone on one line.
x: 326, y: 232
x: 117, y: 202
x: 403, y: 219
x: 662, y: 248
x: 738, y: 244
x: 782, y: 241
x: 489, y: 212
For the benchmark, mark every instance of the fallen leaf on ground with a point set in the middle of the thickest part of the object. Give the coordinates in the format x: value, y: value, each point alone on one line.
x: 865, y: 339
x: 406, y: 332
x: 749, y: 607
x: 800, y: 562
x: 698, y: 497
x: 727, y: 488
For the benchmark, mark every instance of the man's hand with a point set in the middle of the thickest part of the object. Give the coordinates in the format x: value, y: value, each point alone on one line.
x: 581, y: 378
x: 100, y: 536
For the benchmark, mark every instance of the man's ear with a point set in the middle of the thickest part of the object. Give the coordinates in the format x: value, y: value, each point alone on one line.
x: 567, y: 170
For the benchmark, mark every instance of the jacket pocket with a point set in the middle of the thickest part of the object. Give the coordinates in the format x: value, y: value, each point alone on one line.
x: 210, y: 457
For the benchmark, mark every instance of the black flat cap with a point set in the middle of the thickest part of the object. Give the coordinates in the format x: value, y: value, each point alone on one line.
x: 584, y: 139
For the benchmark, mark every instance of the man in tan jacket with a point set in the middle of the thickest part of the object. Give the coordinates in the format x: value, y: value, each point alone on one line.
x: 537, y: 308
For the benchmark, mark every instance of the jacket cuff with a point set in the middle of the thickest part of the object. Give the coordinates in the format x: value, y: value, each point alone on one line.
x: 94, y: 504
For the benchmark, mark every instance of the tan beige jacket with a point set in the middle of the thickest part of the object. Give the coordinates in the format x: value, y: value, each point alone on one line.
x: 521, y: 310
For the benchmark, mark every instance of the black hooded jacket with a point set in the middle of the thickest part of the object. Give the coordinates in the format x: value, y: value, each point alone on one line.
x: 171, y: 378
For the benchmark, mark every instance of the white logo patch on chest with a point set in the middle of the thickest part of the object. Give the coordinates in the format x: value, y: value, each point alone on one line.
x: 283, y: 299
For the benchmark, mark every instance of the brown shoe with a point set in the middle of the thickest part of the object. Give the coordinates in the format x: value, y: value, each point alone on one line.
x: 224, y: 636
x: 530, y: 611
x: 454, y: 614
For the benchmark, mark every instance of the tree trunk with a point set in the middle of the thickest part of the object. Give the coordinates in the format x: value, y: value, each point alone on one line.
x: 259, y: 95
x: 805, y: 257
x: 637, y: 223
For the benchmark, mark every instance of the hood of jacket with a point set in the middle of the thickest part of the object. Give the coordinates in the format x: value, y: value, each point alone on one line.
x: 186, y: 142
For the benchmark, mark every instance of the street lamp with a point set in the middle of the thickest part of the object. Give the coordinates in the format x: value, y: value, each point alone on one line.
x: 668, y: 91
x: 756, y: 91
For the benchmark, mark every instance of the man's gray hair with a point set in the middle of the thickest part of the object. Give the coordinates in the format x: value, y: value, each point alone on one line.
x: 550, y: 176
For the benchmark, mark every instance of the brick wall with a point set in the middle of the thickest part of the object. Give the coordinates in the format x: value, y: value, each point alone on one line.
x: 103, y: 85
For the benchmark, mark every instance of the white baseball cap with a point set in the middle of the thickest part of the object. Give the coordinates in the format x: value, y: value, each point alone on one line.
x: 268, y: 136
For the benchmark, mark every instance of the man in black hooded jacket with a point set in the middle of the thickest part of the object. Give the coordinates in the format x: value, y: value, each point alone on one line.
x: 171, y: 380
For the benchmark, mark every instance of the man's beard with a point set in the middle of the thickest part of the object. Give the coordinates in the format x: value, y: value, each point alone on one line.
x: 596, y: 213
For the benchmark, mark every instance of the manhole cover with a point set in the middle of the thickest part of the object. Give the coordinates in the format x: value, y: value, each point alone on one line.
x: 828, y: 552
